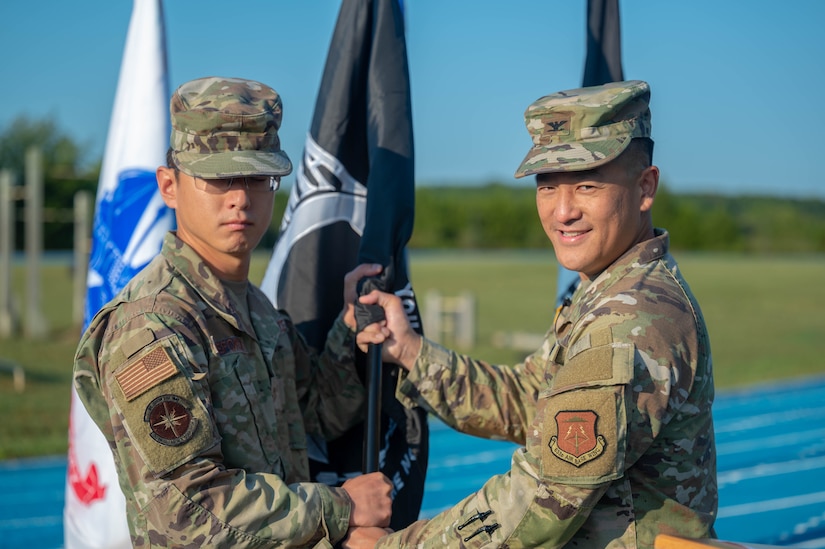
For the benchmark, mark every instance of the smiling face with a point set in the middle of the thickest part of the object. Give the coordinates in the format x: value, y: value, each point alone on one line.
x: 593, y: 217
x: 222, y: 228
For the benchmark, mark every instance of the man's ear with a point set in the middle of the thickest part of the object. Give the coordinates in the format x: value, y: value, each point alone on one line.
x: 648, y: 184
x: 167, y: 184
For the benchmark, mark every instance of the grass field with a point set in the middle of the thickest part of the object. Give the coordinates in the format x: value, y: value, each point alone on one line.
x: 766, y: 317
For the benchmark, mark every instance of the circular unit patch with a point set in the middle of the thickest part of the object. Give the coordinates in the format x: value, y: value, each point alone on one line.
x: 170, y: 420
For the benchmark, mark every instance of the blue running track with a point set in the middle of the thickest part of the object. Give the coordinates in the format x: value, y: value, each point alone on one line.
x: 770, y: 441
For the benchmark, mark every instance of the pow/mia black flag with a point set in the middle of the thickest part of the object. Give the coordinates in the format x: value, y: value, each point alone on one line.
x: 604, y: 43
x: 602, y: 65
x: 353, y: 202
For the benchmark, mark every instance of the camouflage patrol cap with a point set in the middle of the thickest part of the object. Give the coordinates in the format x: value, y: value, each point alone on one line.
x: 223, y: 127
x: 583, y: 128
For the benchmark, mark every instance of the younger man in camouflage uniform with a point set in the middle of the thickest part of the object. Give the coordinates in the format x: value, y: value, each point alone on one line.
x: 203, y: 390
x: 614, y: 410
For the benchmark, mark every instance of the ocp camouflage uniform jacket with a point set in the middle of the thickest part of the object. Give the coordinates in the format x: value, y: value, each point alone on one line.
x: 207, y: 415
x: 614, y: 411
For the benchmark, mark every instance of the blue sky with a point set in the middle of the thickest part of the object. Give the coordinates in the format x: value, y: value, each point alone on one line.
x: 737, y: 87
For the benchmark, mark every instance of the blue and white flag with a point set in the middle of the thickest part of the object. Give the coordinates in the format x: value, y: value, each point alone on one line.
x: 130, y: 221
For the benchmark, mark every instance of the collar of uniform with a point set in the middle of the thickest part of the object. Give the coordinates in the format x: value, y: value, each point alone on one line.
x: 582, y: 299
x: 640, y: 254
x: 200, y: 277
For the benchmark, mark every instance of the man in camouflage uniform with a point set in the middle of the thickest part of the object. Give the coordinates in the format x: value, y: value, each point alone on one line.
x: 203, y: 390
x: 614, y: 410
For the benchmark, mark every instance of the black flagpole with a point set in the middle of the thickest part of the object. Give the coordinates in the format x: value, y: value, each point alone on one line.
x: 372, y: 436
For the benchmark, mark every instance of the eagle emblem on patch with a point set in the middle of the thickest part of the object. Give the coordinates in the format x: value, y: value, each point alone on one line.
x: 577, y: 441
x: 555, y: 126
x: 170, y: 420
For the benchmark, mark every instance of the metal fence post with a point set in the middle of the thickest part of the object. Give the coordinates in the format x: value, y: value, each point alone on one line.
x: 82, y: 207
x: 7, y: 320
x: 35, y: 323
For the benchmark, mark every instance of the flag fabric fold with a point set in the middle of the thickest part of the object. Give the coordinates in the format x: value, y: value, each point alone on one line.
x: 604, y: 43
x: 129, y: 224
x: 603, y: 64
x: 353, y: 202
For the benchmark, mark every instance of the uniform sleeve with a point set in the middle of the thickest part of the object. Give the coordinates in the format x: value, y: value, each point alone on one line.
x: 329, y: 389
x: 163, y: 432
x: 473, y: 396
x: 575, y: 449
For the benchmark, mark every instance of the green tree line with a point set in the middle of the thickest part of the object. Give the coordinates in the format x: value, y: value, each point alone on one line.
x: 489, y: 216
x: 66, y: 171
x: 504, y: 216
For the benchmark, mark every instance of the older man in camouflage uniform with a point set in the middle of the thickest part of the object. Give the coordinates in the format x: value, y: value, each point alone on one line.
x: 614, y: 410
x: 203, y: 390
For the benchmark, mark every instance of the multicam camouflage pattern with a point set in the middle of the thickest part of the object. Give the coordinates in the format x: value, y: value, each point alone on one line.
x: 206, y: 402
x: 584, y: 128
x: 222, y: 127
x: 614, y: 411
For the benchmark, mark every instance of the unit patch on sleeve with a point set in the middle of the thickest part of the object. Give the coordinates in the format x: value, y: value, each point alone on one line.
x: 162, y: 415
x: 578, y: 441
x: 170, y: 420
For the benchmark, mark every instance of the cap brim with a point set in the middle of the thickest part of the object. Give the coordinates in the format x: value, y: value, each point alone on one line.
x: 234, y: 163
x: 571, y: 157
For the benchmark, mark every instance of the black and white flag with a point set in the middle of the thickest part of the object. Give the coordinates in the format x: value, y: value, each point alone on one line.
x: 353, y: 202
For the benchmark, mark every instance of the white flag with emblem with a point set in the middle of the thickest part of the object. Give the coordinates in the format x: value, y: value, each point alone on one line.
x: 130, y: 221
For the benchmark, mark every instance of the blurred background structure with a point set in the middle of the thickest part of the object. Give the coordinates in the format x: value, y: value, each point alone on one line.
x: 736, y: 118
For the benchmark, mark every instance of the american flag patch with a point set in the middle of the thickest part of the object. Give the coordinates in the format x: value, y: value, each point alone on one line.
x: 145, y: 372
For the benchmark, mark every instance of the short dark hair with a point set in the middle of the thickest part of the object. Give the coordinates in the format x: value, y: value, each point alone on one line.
x: 644, y: 147
x: 170, y: 159
x: 638, y: 155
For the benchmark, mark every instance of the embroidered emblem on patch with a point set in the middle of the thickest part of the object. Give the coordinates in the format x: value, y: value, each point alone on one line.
x: 145, y: 372
x: 577, y: 441
x: 230, y: 345
x: 170, y: 419
x: 282, y: 324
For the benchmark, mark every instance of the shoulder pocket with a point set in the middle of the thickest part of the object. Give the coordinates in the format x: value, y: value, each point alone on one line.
x: 582, y: 417
x: 165, y: 420
x: 609, y: 363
